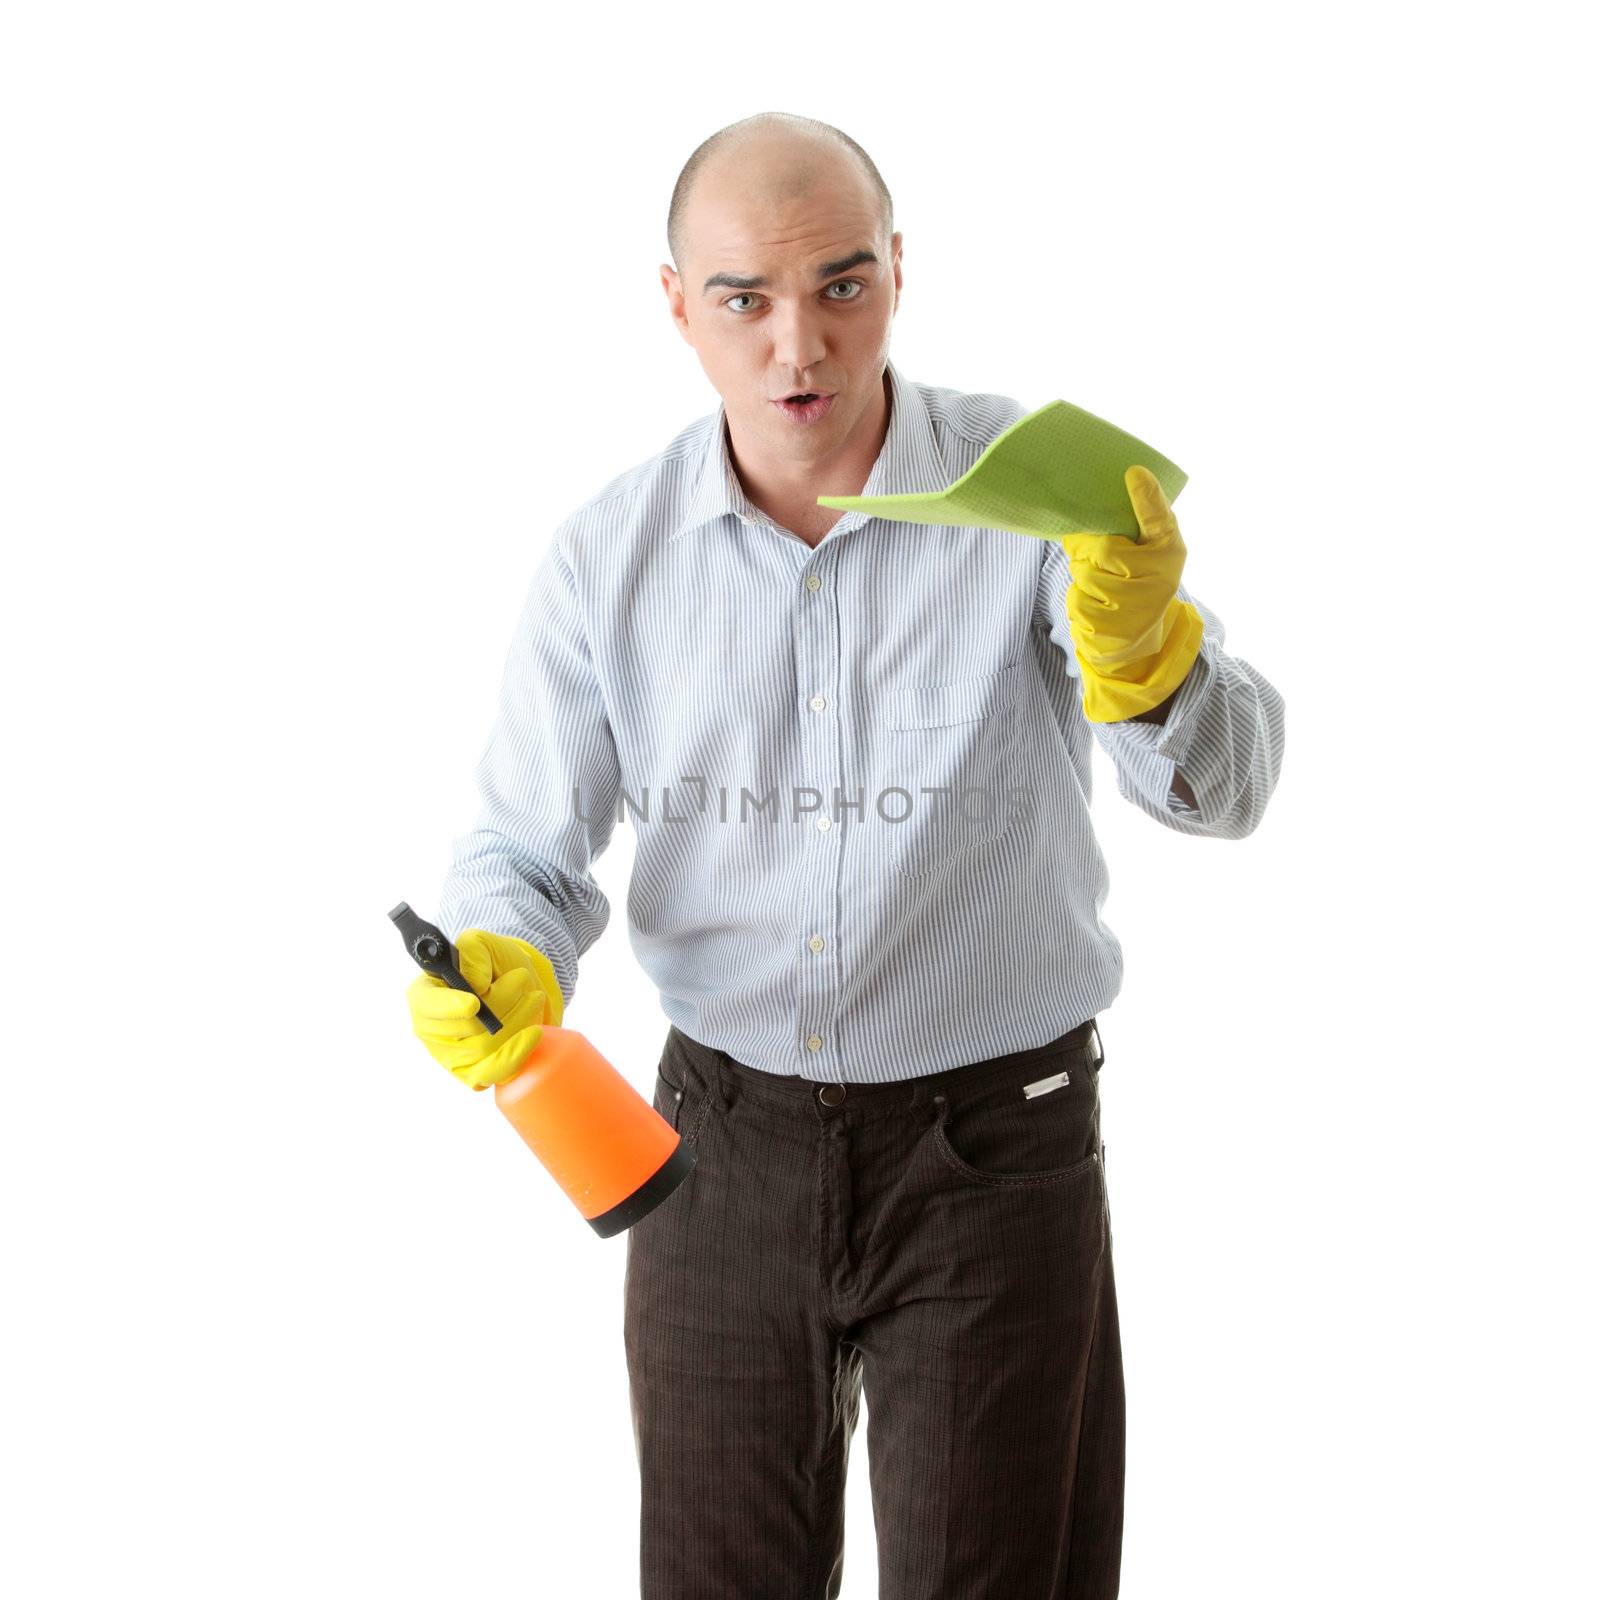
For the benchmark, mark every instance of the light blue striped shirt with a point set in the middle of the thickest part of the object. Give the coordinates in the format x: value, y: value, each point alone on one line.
x: 858, y: 774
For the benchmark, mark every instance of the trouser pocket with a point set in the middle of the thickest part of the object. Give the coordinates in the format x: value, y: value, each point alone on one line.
x: 1037, y: 1122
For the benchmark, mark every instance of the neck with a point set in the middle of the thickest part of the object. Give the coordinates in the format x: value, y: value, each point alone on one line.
x: 787, y: 491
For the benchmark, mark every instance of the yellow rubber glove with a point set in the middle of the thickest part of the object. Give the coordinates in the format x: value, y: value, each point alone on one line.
x: 518, y: 983
x: 1135, y: 640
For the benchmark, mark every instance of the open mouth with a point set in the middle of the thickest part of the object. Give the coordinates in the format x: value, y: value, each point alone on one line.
x: 805, y: 407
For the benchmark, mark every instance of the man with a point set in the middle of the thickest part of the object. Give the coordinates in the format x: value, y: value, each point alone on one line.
x: 882, y: 998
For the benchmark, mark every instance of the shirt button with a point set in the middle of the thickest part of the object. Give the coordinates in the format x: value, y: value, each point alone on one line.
x: 814, y: 942
x: 817, y: 702
x: 824, y: 823
x: 814, y: 1042
x: 813, y: 581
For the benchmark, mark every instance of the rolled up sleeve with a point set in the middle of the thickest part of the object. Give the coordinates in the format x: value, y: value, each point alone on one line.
x: 1223, y: 730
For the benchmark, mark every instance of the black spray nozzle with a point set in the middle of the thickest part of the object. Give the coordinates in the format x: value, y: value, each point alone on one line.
x: 434, y: 953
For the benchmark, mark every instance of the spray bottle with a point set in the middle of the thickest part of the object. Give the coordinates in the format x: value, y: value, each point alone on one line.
x: 615, y: 1156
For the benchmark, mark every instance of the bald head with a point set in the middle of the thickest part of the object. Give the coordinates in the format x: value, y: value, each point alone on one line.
x: 774, y: 161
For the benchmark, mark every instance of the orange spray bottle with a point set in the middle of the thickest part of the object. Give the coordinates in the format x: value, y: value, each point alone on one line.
x: 614, y: 1155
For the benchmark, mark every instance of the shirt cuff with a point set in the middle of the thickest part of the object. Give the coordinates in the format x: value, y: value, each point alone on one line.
x: 1177, y: 729
x: 1154, y: 749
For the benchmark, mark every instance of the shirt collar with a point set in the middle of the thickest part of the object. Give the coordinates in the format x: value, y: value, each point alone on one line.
x: 910, y: 462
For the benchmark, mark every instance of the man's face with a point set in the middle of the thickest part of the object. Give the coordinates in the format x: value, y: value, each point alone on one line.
x: 819, y: 321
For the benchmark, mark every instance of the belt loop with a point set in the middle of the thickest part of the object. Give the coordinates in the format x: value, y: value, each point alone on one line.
x: 1099, y: 1049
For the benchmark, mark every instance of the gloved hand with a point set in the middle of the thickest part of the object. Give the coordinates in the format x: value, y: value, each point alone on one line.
x: 518, y: 983
x: 1135, y: 640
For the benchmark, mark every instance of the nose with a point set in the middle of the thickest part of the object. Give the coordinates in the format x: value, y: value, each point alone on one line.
x: 797, y: 344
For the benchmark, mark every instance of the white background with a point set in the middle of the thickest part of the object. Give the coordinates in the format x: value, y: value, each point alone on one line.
x: 319, y: 318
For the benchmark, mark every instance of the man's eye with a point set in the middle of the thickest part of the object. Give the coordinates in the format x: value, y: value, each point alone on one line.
x: 838, y: 283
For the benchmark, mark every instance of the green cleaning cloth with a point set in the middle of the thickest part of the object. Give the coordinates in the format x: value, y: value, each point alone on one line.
x: 1057, y: 470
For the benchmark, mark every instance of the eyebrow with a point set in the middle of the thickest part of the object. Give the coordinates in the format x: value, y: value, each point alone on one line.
x: 828, y: 269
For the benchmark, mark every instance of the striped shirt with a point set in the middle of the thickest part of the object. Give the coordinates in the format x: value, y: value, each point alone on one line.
x: 858, y: 774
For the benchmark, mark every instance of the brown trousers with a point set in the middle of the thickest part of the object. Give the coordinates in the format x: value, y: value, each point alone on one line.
x: 944, y: 1241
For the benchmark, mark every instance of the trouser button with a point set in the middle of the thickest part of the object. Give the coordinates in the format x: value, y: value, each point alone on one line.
x: 831, y: 1094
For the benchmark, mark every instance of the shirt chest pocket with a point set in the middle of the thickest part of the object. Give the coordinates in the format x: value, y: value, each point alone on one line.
x: 950, y: 762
